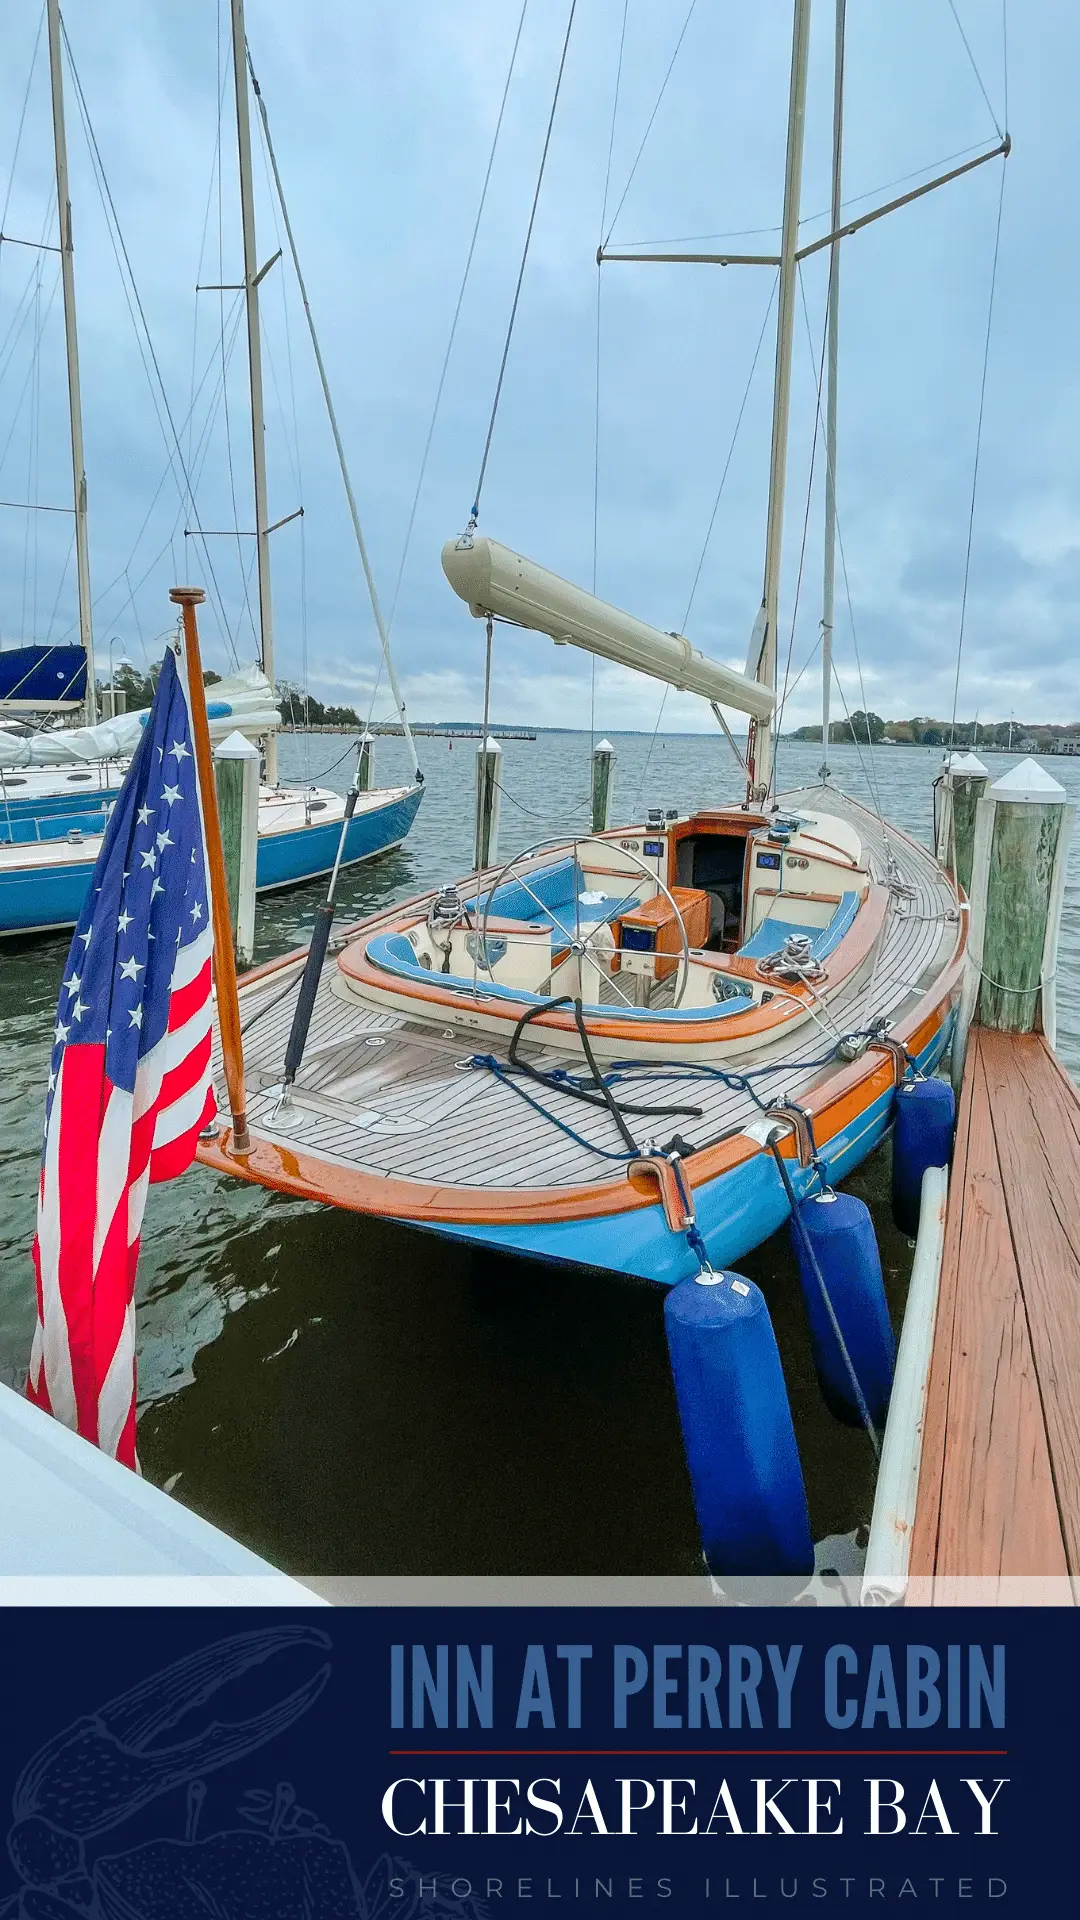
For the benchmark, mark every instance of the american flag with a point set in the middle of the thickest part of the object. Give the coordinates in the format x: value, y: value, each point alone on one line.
x: 129, y: 1079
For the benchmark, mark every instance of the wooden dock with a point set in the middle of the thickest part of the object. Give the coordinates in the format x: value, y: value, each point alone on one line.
x: 999, y: 1483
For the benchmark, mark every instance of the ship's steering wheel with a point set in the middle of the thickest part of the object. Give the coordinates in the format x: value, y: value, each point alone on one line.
x: 580, y: 937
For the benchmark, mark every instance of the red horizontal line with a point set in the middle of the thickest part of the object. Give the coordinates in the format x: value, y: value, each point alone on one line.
x: 698, y: 1753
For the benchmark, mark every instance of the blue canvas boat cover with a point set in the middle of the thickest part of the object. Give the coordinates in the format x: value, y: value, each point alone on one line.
x: 42, y: 676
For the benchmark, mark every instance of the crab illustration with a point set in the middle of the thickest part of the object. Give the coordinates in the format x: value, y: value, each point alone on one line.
x: 287, y: 1868
x: 280, y: 1863
x: 104, y: 1767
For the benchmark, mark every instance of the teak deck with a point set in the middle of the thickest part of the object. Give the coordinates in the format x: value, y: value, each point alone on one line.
x: 999, y: 1484
x: 390, y: 1097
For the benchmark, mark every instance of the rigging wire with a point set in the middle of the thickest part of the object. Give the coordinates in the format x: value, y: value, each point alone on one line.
x: 305, y: 667
x: 652, y: 117
x: 481, y: 780
x: 138, y: 623
x: 649, y: 748
x: 807, y: 219
x: 60, y: 587
x: 709, y: 530
x: 339, y: 447
x: 475, y: 515
x: 144, y: 339
x: 806, y: 517
x: 806, y: 665
x: 22, y: 121
x: 456, y: 317
x: 244, y: 574
x: 215, y: 167
x: 978, y: 453
x: 869, y: 767
x: 36, y: 444
x: 32, y: 417
x: 291, y: 415
x: 292, y: 451
x: 975, y: 70
x: 197, y: 462
x: 730, y: 452
x: 39, y: 322
x: 17, y: 326
x: 596, y: 411
x: 25, y: 304
x: 869, y: 772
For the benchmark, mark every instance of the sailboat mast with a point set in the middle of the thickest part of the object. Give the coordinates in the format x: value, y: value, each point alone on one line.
x: 785, y: 325
x: 71, y: 342
x: 254, y: 341
x: 828, y: 592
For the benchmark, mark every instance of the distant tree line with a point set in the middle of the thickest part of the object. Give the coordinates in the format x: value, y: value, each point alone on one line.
x: 298, y: 707
x: 864, y: 728
x: 923, y: 731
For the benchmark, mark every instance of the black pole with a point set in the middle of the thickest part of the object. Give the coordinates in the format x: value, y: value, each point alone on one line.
x: 316, y: 954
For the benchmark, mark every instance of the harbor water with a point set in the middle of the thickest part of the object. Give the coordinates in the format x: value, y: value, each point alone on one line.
x: 349, y: 1396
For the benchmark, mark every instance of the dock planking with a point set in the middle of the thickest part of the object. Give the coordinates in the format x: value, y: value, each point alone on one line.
x: 999, y: 1483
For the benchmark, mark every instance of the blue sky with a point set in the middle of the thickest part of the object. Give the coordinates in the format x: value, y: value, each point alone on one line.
x: 383, y: 114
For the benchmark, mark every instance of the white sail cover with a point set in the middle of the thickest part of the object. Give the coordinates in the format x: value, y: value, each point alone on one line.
x: 494, y: 580
x: 244, y: 702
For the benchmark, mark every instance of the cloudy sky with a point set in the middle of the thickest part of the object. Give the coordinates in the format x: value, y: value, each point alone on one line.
x: 383, y: 113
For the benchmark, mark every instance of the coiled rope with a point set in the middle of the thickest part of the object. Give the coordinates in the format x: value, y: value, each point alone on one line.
x: 794, y: 961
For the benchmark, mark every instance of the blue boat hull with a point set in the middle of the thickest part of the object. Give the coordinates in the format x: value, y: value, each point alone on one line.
x: 16, y: 807
x: 736, y: 1212
x: 49, y: 899
x: 43, y: 899
x: 287, y: 859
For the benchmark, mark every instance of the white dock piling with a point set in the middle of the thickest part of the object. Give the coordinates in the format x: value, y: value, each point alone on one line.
x: 958, y: 788
x: 488, y: 802
x: 1023, y: 826
x: 236, y: 776
x: 603, y: 781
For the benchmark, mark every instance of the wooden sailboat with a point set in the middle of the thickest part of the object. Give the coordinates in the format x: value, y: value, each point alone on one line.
x: 597, y: 1072
x: 590, y: 1054
x: 52, y: 815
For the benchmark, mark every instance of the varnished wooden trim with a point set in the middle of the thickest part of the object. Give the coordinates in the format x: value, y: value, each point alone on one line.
x: 847, y: 956
x: 834, y: 1106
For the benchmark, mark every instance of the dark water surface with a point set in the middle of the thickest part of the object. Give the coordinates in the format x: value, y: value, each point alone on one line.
x: 348, y: 1396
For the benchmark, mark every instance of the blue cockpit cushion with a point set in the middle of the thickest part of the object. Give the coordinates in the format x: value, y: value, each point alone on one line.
x: 772, y: 933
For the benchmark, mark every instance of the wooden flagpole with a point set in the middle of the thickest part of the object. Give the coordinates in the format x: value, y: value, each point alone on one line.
x: 228, y: 1004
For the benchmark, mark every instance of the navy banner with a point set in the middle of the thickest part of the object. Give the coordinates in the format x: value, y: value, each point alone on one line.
x: 363, y: 1763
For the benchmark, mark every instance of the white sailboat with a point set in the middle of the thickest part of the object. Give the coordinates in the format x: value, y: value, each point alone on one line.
x: 56, y: 788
